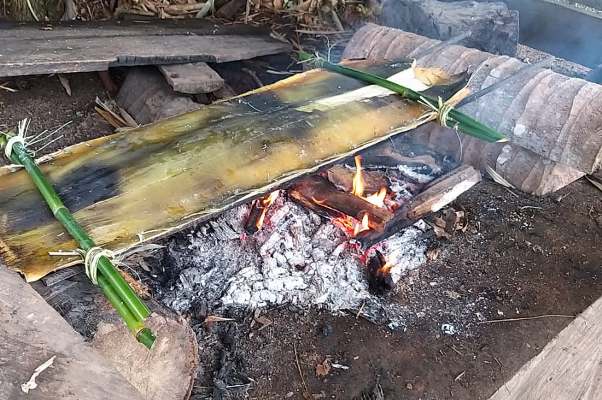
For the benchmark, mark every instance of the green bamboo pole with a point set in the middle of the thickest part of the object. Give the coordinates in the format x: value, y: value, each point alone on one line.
x: 449, y: 116
x: 120, y: 294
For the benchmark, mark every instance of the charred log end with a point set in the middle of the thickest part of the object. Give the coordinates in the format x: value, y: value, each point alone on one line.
x: 254, y: 216
x: 379, y: 279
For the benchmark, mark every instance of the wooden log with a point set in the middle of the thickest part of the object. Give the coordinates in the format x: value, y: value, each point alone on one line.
x: 165, y: 373
x: 152, y: 180
x: 568, y: 368
x: 441, y: 192
x: 553, y: 120
x: 318, y: 194
x: 147, y: 97
x: 192, y: 77
x: 72, y: 47
x: 32, y: 332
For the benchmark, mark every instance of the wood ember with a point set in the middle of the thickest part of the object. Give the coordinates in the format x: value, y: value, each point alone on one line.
x: 257, y: 208
x: 321, y: 196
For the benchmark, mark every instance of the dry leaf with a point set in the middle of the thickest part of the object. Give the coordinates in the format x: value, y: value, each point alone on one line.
x: 265, y: 322
x: 440, y: 232
x: 323, y: 369
x: 452, y: 294
x: 498, y: 178
x: 433, y: 254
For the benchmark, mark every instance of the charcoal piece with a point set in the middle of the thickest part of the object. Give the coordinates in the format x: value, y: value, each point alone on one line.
x: 493, y: 27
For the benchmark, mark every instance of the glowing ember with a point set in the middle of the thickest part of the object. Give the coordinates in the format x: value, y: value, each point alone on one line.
x: 268, y: 201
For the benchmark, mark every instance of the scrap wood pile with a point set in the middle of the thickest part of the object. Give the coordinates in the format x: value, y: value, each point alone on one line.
x: 141, y: 184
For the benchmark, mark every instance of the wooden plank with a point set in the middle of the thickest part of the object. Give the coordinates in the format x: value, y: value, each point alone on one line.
x: 28, y: 50
x: 192, y: 77
x: 31, y: 333
x: 568, y: 368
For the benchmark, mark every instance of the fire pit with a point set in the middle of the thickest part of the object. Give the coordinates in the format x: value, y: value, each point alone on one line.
x: 302, y: 246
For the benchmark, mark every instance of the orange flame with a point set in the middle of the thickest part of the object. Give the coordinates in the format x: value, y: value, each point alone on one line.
x: 389, y: 264
x: 358, y: 179
x: 364, y: 226
x: 268, y: 201
x: 378, y: 199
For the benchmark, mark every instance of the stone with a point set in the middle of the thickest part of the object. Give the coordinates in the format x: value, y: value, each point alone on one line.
x: 493, y: 27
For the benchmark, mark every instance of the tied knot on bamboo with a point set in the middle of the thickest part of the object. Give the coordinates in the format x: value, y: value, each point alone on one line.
x: 91, y: 259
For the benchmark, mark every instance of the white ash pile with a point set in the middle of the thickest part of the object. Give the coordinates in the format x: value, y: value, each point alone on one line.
x: 297, y: 258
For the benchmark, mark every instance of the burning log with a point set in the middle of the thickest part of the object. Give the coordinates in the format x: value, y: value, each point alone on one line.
x: 343, y: 177
x: 259, y: 208
x: 437, y: 195
x: 321, y: 196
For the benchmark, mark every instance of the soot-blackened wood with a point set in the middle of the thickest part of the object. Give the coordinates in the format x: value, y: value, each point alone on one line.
x: 71, y: 47
x: 433, y: 198
x: 332, y: 201
x: 252, y: 221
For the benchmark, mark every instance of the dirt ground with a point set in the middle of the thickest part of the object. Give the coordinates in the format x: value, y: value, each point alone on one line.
x: 522, y: 257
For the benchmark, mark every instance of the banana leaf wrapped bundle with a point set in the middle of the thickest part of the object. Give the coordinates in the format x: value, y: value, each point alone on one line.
x: 143, y: 183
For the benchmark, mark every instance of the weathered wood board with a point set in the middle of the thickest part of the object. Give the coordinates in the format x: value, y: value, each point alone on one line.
x: 29, y: 49
x: 32, y: 332
x: 148, y: 181
x: 192, y: 77
x: 568, y: 368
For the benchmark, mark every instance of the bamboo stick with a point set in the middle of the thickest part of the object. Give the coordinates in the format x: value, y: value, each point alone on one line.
x: 119, y: 293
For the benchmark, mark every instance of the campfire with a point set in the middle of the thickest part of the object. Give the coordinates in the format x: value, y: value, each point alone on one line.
x: 337, y: 239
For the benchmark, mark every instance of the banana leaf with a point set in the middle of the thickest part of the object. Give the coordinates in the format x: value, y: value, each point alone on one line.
x: 143, y: 183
